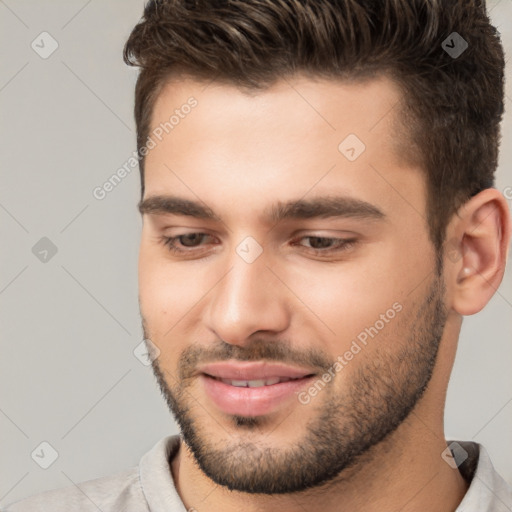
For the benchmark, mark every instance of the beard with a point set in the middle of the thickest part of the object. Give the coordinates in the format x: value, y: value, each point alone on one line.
x: 348, y: 422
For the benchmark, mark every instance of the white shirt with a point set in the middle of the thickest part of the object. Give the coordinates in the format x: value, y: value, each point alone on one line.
x: 149, y: 487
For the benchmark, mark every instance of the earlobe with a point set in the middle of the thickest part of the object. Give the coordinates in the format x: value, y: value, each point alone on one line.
x: 482, y: 234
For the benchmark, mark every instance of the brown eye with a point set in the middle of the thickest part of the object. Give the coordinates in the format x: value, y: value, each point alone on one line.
x: 184, y: 243
x: 324, y: 244
x: 317, y: 242
x: 190, y: 239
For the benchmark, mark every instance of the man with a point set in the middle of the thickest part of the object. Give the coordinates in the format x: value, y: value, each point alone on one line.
x: 318, y: 216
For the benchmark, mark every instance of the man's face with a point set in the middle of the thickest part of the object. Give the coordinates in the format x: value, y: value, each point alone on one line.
x: 337, y: 292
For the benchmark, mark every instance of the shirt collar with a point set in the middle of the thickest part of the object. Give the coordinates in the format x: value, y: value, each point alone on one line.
x: 487, y: 492
x: 156, y: 478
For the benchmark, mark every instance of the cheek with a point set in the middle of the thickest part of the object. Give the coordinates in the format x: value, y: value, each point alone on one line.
x: 355, y: 321
x: 345, y: 299
x: 163, y: 302
x: 169, y: 293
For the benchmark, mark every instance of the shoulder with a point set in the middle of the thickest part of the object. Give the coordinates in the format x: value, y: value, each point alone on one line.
x: 121, y: 491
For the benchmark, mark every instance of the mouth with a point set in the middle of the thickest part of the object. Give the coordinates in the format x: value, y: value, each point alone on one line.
x: 256, y: 383
x: 259, y: 373
x: 252, y: 388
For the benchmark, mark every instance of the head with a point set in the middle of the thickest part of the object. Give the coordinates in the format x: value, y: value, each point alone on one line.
x: 317, y: 202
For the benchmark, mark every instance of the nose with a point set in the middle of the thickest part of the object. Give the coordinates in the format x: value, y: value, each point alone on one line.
x: 248, y: 299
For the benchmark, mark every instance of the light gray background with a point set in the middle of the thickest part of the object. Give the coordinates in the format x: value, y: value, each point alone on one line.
x: 68, y: 375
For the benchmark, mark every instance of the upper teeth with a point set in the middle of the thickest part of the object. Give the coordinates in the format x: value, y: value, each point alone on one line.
x: 255, y: 383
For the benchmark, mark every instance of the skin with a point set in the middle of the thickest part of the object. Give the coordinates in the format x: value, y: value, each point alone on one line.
x: 238, y: 154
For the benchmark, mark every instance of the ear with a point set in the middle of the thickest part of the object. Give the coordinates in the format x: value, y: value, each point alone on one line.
x: 476, y: 250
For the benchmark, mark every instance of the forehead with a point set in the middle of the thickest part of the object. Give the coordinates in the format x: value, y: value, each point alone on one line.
x: 339, y: 105
x: 298, y: 136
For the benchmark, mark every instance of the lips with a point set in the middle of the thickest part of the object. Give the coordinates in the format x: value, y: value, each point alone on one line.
x: 253, y: 371
x: 252, y: 388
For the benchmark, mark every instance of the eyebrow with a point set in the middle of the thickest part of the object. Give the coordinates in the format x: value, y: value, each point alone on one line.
x: 319, y: 207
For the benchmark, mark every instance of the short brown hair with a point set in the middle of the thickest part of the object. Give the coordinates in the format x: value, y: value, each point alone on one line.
x: 452, y: 107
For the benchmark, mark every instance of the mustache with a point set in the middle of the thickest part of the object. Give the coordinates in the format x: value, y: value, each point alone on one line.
x: 257, y: 350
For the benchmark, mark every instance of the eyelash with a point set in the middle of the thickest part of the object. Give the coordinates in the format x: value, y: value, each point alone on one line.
x: 343, y: 244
